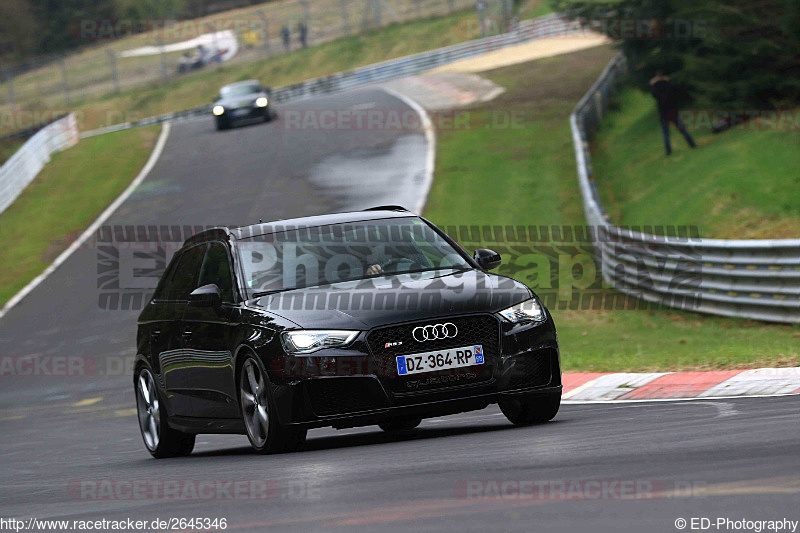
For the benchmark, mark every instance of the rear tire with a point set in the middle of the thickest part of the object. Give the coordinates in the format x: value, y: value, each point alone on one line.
x: 264, y: 432
x: 399, y: 425
x: 160, y: 440
x: 532, y: 410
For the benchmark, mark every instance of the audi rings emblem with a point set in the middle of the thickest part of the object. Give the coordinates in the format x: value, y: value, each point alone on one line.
x: 447, y: 330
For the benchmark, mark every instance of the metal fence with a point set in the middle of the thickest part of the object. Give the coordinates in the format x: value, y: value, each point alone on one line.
x: 539, y: 28
x: 28, y: 161
x: 756, y: 279
x: 109, y: 64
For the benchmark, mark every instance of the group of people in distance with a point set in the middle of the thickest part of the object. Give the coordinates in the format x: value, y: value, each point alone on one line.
x: 302, y: 35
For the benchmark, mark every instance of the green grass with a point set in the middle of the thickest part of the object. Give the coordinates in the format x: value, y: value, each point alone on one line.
x: 743, y: 183
x: 525, y: 175
x: 71, y: 191
x: 7, y: 149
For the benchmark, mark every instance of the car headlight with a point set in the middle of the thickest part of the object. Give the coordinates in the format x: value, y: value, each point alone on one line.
x: 261, y: 101
x: 528, y: 311
x: 218, y: 110
x: 311, y: 340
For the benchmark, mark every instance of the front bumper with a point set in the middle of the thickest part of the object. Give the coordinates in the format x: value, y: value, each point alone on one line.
x: 244, y: 113
x: 353, y: 391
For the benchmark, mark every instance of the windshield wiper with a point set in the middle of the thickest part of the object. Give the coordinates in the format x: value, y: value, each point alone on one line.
x: 259, y: 294
x: 415, y: 271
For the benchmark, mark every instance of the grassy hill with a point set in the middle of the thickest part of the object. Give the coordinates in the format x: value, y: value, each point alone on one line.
x: 740, y: 184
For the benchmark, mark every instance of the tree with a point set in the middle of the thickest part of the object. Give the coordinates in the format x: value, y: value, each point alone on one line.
x: 18, y: 29
x: 737, y: 53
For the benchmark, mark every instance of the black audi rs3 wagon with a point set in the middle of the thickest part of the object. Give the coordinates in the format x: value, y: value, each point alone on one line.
x: 374, y: 317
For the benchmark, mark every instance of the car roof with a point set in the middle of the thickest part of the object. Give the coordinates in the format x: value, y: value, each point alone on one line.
x: 263, y: 228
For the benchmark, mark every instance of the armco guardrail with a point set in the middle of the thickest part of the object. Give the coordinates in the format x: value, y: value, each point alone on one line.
x: 25, y: 164
x: 756, y: 279
x: 539, y: 28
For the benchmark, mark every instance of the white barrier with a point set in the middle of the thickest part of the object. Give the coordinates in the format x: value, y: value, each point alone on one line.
x: 756, y: 279
x: 28, y: 161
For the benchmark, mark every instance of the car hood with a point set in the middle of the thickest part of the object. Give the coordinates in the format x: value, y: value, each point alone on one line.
x: 390, y: 299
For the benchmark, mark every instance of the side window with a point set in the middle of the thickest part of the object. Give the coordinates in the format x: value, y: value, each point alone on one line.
x: 181, y: 282
x: 216, y: 269
x: 163, y: 284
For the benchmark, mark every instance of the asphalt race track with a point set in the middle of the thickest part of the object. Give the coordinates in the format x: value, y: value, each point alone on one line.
x: 76, y: 449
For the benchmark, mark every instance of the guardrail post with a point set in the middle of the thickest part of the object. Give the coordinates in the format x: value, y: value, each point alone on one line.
x: 112, y: 65
x: 163, y: 55
x: 345, y: 19
x: 263, y: 18
x: 306, y: 15
x: 213, y: 29
x: 506, y: 14
x: 12, y: 97
x: 376, y: 10
x: 64, y: 82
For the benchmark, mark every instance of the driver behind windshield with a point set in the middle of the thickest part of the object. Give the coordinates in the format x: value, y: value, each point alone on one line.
x: 339, y: 253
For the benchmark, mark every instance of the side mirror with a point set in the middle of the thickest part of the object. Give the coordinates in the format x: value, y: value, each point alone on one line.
x: 206, y: 296
x: 487, y: 259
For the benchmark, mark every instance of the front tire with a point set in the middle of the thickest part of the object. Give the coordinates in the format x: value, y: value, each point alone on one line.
x: 160, y: 440
x: 222, y: 124
x: 264, y: 432
x: 533, y: 410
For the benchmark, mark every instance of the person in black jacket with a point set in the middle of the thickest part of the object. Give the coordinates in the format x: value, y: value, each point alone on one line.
x: 287, y: 38
x: 664, y: 93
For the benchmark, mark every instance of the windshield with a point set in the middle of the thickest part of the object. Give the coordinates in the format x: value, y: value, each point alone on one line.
x: 297, y: 258
x: 240, y: 90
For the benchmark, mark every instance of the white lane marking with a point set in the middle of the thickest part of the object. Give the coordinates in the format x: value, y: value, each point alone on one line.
x: 578, y: 390
x: 148, y: 166
x: 430, y: 138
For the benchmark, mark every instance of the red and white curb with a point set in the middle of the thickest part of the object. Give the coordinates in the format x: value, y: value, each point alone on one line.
x: 580, y: 387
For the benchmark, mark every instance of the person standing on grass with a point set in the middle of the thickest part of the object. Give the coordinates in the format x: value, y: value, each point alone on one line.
x: 664, y: 93
x: 303, y: 31
x: 287, y: 38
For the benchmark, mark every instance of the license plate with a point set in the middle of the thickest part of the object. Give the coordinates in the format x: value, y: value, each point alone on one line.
x: 440, y: 360
x: 240, y: 112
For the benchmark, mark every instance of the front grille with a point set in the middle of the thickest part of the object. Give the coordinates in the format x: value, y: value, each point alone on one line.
x: 531, y: 370
x: 342, y: 395
x: 483, y: 330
